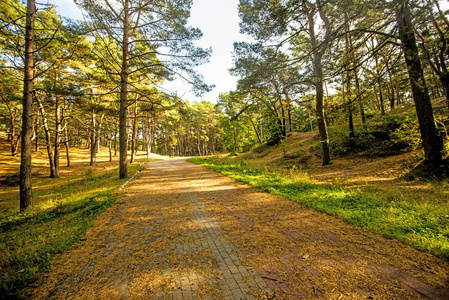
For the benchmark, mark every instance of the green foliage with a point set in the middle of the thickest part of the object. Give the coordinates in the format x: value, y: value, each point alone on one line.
x: 29, y: 241
x: 420, y: 221
x: 385, y: 135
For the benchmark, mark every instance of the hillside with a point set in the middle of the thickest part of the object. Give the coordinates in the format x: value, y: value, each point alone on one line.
x: 301, y: 151
x: 386, y: 150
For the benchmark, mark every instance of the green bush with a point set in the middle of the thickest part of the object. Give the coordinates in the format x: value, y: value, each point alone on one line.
x: 384, y: 135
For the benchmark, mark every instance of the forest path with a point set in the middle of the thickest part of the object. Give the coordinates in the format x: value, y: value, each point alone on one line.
x: 181, y: 231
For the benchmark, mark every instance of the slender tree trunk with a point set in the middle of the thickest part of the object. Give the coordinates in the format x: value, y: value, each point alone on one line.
x: 319, y: 88
x: 198, y: 141
x: 379, y: 86
x: 432, y: 142
x: 398, y: 96
x: 255, y: 129
x: 310, y: 119
x: 124, y: 95
x: 357, y: 88
x: 57, y: 139
x: 26, y: 194
x: 67, y: 147
x: 47, y: 139
x: 93, y: 141
x: 149, y: 138
x: 12, y: 130
x: 115, y: 142
x: 134, y: 134
x: 110, y: 150
x: 349, y: 106
x: 16, y: 144
x: 36, y: 134
x: 392, y: 93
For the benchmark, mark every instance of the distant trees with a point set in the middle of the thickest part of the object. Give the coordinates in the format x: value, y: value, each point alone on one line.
x: 142, y: 31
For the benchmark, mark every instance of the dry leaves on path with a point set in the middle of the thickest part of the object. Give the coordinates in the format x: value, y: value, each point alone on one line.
x: 152, y: 244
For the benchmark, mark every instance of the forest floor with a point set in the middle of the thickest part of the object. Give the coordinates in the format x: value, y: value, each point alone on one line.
x: 79, y: 160
x: 181, y: 231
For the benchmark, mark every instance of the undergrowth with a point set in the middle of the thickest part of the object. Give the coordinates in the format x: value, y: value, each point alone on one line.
x: 60, y: 216
x: 418, y: 220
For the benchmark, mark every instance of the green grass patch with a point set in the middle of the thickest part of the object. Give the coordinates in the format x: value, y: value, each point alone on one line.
x: 60, y: 216
x: 411, y: 217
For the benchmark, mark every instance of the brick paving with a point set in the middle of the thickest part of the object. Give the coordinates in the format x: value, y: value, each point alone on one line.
x: 237, y: 280
x: 157, y: 242
x: 180, y: 231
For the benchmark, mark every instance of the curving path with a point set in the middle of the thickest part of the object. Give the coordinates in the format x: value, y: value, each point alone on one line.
x: 181, y: 231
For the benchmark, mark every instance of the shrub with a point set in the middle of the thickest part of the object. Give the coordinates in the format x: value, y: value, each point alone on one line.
x: 385, y: 135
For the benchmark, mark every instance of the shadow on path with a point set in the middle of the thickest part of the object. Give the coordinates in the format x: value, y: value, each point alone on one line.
x: 181, y: 231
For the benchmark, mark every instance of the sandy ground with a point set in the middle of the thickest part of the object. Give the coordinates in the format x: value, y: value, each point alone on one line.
x: 147, y: 244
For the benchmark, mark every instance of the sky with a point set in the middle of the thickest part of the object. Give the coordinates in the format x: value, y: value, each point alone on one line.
x: 219, y: 22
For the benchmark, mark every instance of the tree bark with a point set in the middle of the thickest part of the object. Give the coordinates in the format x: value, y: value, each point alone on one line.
x: 47, y: 138
x: 134, y: 134
x: 93, y: 141
x: 26, y: 194
x: 149, y: 141
x: 432, y: 142
x: 379, y: 86
x: 57, y: 139
x: 67, y: 148
x: 110, y: 150
x: 198, y: 141
x: 36, y: 134
x: 124, y: 96
x: 12, y: 131
x: 319, y: 88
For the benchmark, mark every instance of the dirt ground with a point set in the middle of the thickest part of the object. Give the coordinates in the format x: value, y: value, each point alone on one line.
x: 133, y: 250
x: 79, y: 158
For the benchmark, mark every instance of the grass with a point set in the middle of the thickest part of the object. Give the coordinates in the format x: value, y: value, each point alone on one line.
x: 420, y: 220
x: 60, y: 216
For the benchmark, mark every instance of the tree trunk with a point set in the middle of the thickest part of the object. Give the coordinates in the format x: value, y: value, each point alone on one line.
x: 379, y: 86
x: 124, y: 95
x: 255, y: 129
x: 57, y: 139
x: 357, y: 88
x: 12, y: 131
x: 47, y: 139
x: 26, y: 194
x: 115, y: 142
x: 432, y: 142
x: 198, y: 141
x: 93, y: 141
x: 319, y: 88
x: 36, y: 134
x: 349, y: 106
x: 67, y: 148
x: 110, y: 150
x: 134, y: 134
x: 149, y: 138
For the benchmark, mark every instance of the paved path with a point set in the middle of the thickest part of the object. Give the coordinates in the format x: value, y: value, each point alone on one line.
x: 158, y: 242
x: 181, y: 231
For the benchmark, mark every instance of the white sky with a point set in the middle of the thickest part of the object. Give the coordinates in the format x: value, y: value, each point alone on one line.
x: 219, y: 22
